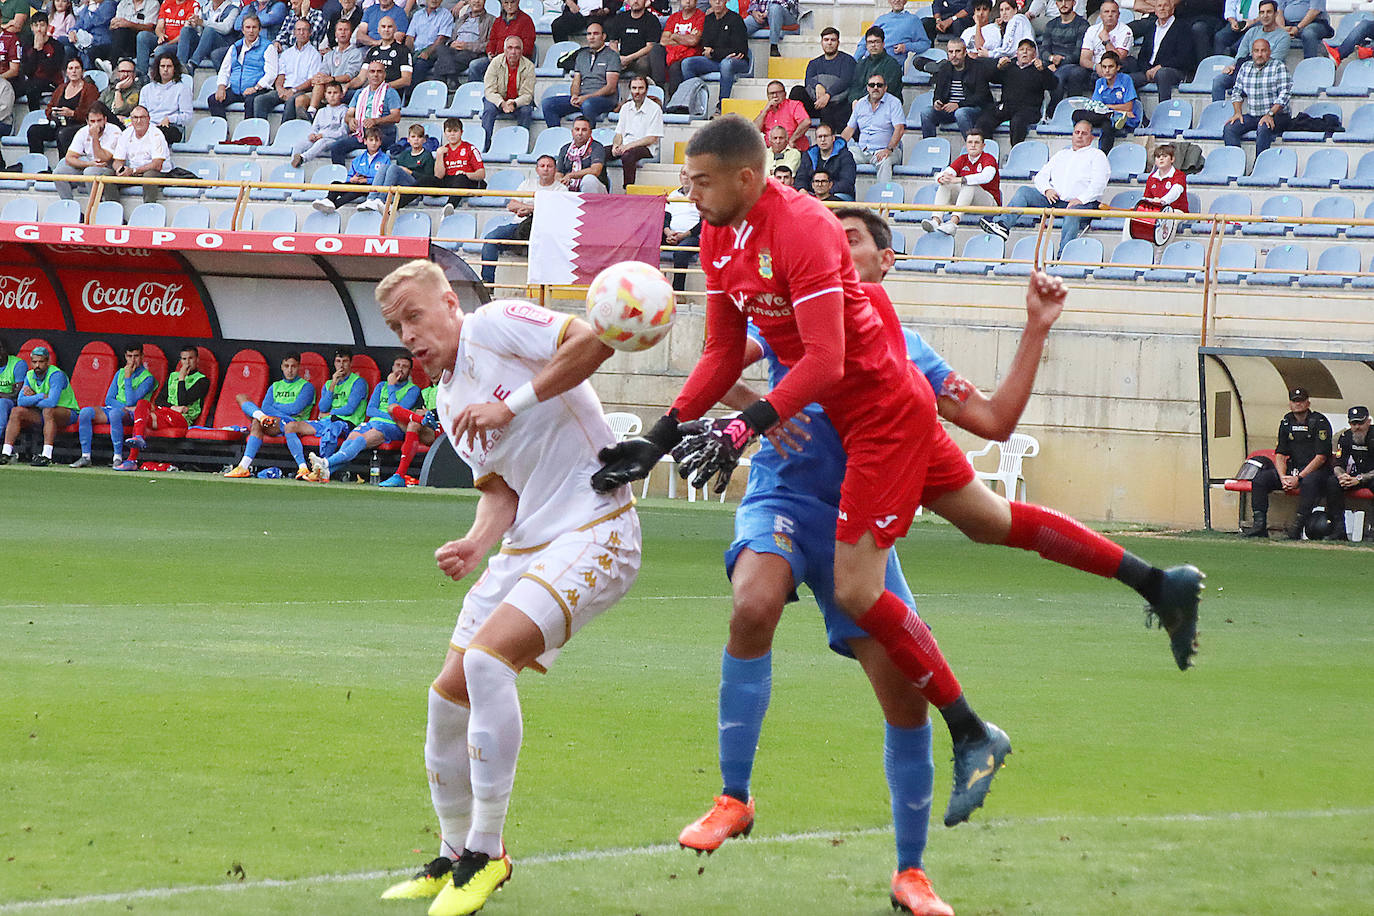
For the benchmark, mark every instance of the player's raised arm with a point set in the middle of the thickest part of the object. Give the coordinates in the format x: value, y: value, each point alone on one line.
x: 496, y: 510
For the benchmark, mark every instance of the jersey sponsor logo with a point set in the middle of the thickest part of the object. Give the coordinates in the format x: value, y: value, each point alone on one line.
x: 884, y: 521
x: 766, y: 264
x: 720, y: 262
x: 843, y: 516
x: 531, y: 313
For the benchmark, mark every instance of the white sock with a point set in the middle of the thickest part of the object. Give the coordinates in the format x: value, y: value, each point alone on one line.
x: 259, y: 416
x: 450, y: 781
x: 6, y: 449
x: 245, y: 462
x: 494, y: 735
x: 47, y: 451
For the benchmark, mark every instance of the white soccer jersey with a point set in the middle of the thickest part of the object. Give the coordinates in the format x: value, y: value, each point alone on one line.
x: 548, y: 453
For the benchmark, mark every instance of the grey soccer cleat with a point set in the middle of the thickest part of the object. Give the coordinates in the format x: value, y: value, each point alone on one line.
x: 1176, y: 611
x: 975, y: 763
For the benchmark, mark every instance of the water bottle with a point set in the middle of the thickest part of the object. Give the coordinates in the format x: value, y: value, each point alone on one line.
x: 374, y: 476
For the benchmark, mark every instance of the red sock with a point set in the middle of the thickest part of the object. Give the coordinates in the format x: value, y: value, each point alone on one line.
x: 143, y: 413
x: 912, y: 648
x: 404, y: 416
x: 408, y: 447
x: 1057, y: 537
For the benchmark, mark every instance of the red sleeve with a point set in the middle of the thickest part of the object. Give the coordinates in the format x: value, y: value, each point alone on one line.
x: 524, y: 27
x: 892, y: 325
x: 496, y: 38
x: 721, y: 362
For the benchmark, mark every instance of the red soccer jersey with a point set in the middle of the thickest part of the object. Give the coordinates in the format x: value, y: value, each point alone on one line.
x: 461, y: 159
x: 963, y: 167
x: 678, y: 24
x: 174, y: 14
x: 1158, y: 188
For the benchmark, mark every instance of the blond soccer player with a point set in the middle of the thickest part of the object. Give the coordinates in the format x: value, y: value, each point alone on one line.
x: 514, y: 400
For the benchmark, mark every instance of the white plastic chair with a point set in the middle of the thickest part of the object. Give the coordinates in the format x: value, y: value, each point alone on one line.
x: 1011, y: 453
x: 624, y: 424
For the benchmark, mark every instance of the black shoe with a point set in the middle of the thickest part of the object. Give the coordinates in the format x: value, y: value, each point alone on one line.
x: 1293, y: 532
x: 773, y: 51
x: 975, y: 763
x: 1176, y: 611
x: 40, y: 461
x: 6, y: 459
x: 992, y: 228
x: 1259, y: 527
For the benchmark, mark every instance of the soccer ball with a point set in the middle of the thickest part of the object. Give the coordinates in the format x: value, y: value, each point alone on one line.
x: 631, y: 306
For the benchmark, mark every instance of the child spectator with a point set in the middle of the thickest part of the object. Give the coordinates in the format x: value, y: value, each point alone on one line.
x: 361, y: 171
x: 969, y: 181
x: 409, y: 167
x: 1114, y: 107
x: 1166, y: 186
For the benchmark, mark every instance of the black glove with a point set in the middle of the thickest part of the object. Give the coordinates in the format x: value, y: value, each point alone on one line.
x: 634, y: 459
x: 715, y: 451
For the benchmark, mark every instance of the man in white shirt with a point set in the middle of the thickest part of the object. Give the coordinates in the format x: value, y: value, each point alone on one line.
x: 1073, y: 179
x: 250, y: 67
x: 296, y: 70
x: 142, y: 150
x: 639, y: 129
x: 1109, y: 34
x: 545, y: 178
x: 92, y: 151
x: 515, y: 400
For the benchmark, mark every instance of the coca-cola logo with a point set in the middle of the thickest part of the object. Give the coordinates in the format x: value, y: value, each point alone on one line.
x: 106, y: 250
x: 147, y: 298
x: 17, y: 293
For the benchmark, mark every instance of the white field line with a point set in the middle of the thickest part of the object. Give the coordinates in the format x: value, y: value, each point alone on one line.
x: 586, y: 855
x: 332, y: 601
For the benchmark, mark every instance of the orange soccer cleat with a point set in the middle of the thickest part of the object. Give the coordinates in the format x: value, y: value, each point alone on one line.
x: 911, y: 891
x: 728, y: 817
x: 238, y: 470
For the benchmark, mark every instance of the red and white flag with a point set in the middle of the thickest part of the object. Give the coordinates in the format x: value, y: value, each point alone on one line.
x: 576, y: 236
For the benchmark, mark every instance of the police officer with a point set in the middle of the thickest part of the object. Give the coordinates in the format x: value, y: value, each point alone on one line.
x: 1302, y: 465
x: 1353, y: 465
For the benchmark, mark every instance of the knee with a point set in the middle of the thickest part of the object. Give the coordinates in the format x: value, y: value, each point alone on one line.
x: 754, y: 618
x: 484, y: 673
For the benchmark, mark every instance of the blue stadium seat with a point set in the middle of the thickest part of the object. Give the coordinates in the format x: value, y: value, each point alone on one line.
x: 981, y: 253
x: 889, y: 193
x: 20, y: 137
x: 1222, y: 166
x: 33, y: 163
x: 1356, y: 79
x: 247, y: 129
x: 1201, y: 83
x: 317, y: 223
x: 925, y: 194
x: 412, y: 224
x: 1347, y: 25
x: 929, y: 254
x: 504, y: 180
x: 912, y: 75
x: 1312, y: 76
x: 1083, y: 250
x: 224, y: 220
x: 1123, y: 200
x: 1235, y: 261
x: 325, y: 174
x: 604, y: 135
x: 1317, y: 110
x: 1337, y: 208
x: 202, y: 99
x: 205, y: 133
x: 1272, y: 168
x: 507, y: 144
x: 1025, y: 159
x: 278, y: 219
x: 1170, y: 119
x: 246, y: 170
x: 284, y: 173
x: 1340, y: 262
x: 364, y: 222
x: 108, y: 213
x: 1362, y: 179
x: 899, y: 241
x: 1368, y: 281
x: 1362, y: 232
x: 1060, y: 123
x: 150, y: 215
x: 549, y: 67
x: 1324, y: 168
x: 25, y: 210
x: 923, y: 158
x: 1127, y: 259
x: 1232, y: 204
x: 286, y: 136
x: 918, y: 105
x: 460, y: 225
x: 1023, y: 250
x: 1209, y: 124
x: 426, y: 99
x: 206, y: 170
x: 547, y: 143
x: 1127, y: 161
x: 1360, y: 127
x: 1275, y: 209
x: 66, y: 212
x: 1282, y: 259
x: 1180, y: 262
x: 192, y: 216
x: 467, y: 103
x: 498, y: 219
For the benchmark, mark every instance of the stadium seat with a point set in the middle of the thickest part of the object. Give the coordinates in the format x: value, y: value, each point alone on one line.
x: 1232, y: 204
x: 244, y: 170
x: 278, y: 219
x: 1360, y: 127
x: 325, y: 174
x: 315, y: 370
x: 1084, y: 250
x: 1365, y: 282
x: 155, y: 361
x: 1235, y: 262
x: 25, y: 210
x: 246, y: 374
x: 1128, y: 258
x: 1127, y: 162
x: 317, y: 223
x: 925, y: 157
x: 1340, y: 263
x: 898, y: 241
x: 1025, y: 159
x: 33, y: 163
x: 366, y: 367
x: 1272, y: 168
x: 1319, y: 110
x: 982, y: 252
x: 929, y: 254
x: 467, y: 103
x: 456, y: 226
x: 412, y: 224
x: 1356, y: 79
x: 20, y: 137
x: 1011, y: 454
x: 1312, y: 76
x: 192, y: 216
x: 1023, y: 250
x: 1275, y: 209
x: 205, y: 133
x: 507, y: 144
x: 206, y: 170
x: 1209, y: 124
x: 1363, y: 177
x: 1324, y: 168
x: 224, y: 220
x: 887, y: 194
x: 1209, y: 69
x: 1282, y: 259
x: 26, y: 352
x: 925, y: 195
x: 91, y: 374
x: 364, y: 222
x: 1223, y: 165
x: 504, y: 180
x: 1061, y: 123
x: 1124, y: 200
x: 1362, y: 232
x: 152, y: 215
x: 286, y: 136
x: 1170, y: 119
x: 108, y: 213
x: 1180, y: 262
x: 426, y: 99
x: 496, y: 219
x: 67, y: 212
x: 247, y: 129
x: 604, y: 135
x: 557, y: 50
x: 282, y: 173
x: 547, y: 143
x: 918, y: 105
x: 1337, y: 208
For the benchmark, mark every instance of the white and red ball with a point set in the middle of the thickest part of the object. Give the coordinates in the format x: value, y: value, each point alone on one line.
x: 631, y: 306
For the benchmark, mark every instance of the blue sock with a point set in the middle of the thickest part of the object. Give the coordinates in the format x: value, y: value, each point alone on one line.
x: 745, y: 687
x: 84, y: 421
x: 6, y: 405
x: 116, y: 417
x: 250, y: 449
x: 346, y: 453
x: 293, y: 442
x: 910, y: 772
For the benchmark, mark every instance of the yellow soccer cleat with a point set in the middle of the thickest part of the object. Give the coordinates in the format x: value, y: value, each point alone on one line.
x: 238, y: 470
x: 911, y: 891
x: 426, y: 883
x: 728, y: 817
x: 303, y: 472
x: 476, y: 876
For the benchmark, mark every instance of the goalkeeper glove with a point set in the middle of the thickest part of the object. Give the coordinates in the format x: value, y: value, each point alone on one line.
x: 716, y: 449
x: 633, y: 459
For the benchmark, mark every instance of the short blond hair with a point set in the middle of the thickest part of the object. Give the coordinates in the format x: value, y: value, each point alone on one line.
x: 426, y: 273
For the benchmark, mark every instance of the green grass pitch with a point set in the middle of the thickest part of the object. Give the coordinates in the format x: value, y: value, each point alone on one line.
x: 212, y: 696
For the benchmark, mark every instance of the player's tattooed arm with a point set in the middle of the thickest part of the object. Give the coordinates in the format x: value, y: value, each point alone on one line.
x: 495, y: 514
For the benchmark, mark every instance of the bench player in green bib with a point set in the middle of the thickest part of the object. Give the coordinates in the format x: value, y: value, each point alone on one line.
x: 396, y: 390
x: 343, y: 404
x: 12, y: 372
x: 130, y: 385
x: 421, y: 426
x: 288, y: 400
x: 46, y: 399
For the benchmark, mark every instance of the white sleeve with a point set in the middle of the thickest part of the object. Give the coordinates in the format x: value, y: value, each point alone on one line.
x: 519, y: 329
x: 1175, y: 191
x: 981, y: 177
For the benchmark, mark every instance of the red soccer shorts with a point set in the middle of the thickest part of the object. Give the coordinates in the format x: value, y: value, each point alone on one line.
x: 166, y: 418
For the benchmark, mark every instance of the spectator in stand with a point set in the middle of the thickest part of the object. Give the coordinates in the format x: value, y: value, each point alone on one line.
x: 961, y: 92
x: 131, y: 384
x: 47, y: 400
x: 545, y: 178
x: 508, y: 88
x: 132, y: 19
x: 595, y: 82
x: 11, y: 59
x: 270, y: 14
x: 1166, y: 186
x: 1306, y: 21
x: 1239, y: 16
x: 1302, y: 464
x: 634, y: 33
x: 875, y: 128
x: 1261, y: 95
x: 1355, y: 41
x: 121, y: 94
x: 362, y: 170
x: 288, y: 400
x: 329, y: 126
x: 1012, y: 28
x: 1073, y: 179
x: 1061, y: 44
x: 1114, y: 107
x: 92, y: 35
x: 172, y: 16
x: 639, y: 130
x: 903, y: 33
x: 783, y: 174
x: 407, y: 169
x: 1109, y: 34
x: 62, y: 22
x: 1166, y: 52
x: 249, y: 67
x: 682, y: 229
x: 369, y: 32
x: 342, y: 405
x: 512, y: 21
x: 396, y: 390
x: 825, y: 91
x: 1268, y: 28
x: 969, y: 181
x: 782, y: 153
x: 431, y: 28
x: 167, y: 98
x: 578, y: 14
x: 340, y: 64
x: 879, y: 62
x: 458, y: 164
x: 142, y: 151
x: 822, y: 187
x: 209, y: 29
x: 297, y: 68
x: 40, y: 67
x: 392, y: 52
x: 582, y: 161
x: 376, y: 104
x: 1024, y: 82
x: 12, y: 372
x: 947, y: 19
x: 471, y: 31
x: 724, y: 49
x: 350, y: 11
x: 832, y: 157
x: 982, y: 36
x: 296, y: 11
x: 789, y: 114
x: 772, y: 16
x: 66, y: 110
x: 179, y: 404
x: 680, y: 40
x: 1352, y: 463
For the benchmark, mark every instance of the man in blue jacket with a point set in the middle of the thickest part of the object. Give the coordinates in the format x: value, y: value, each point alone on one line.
x: 46, y: 398
x: 131, y: 384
